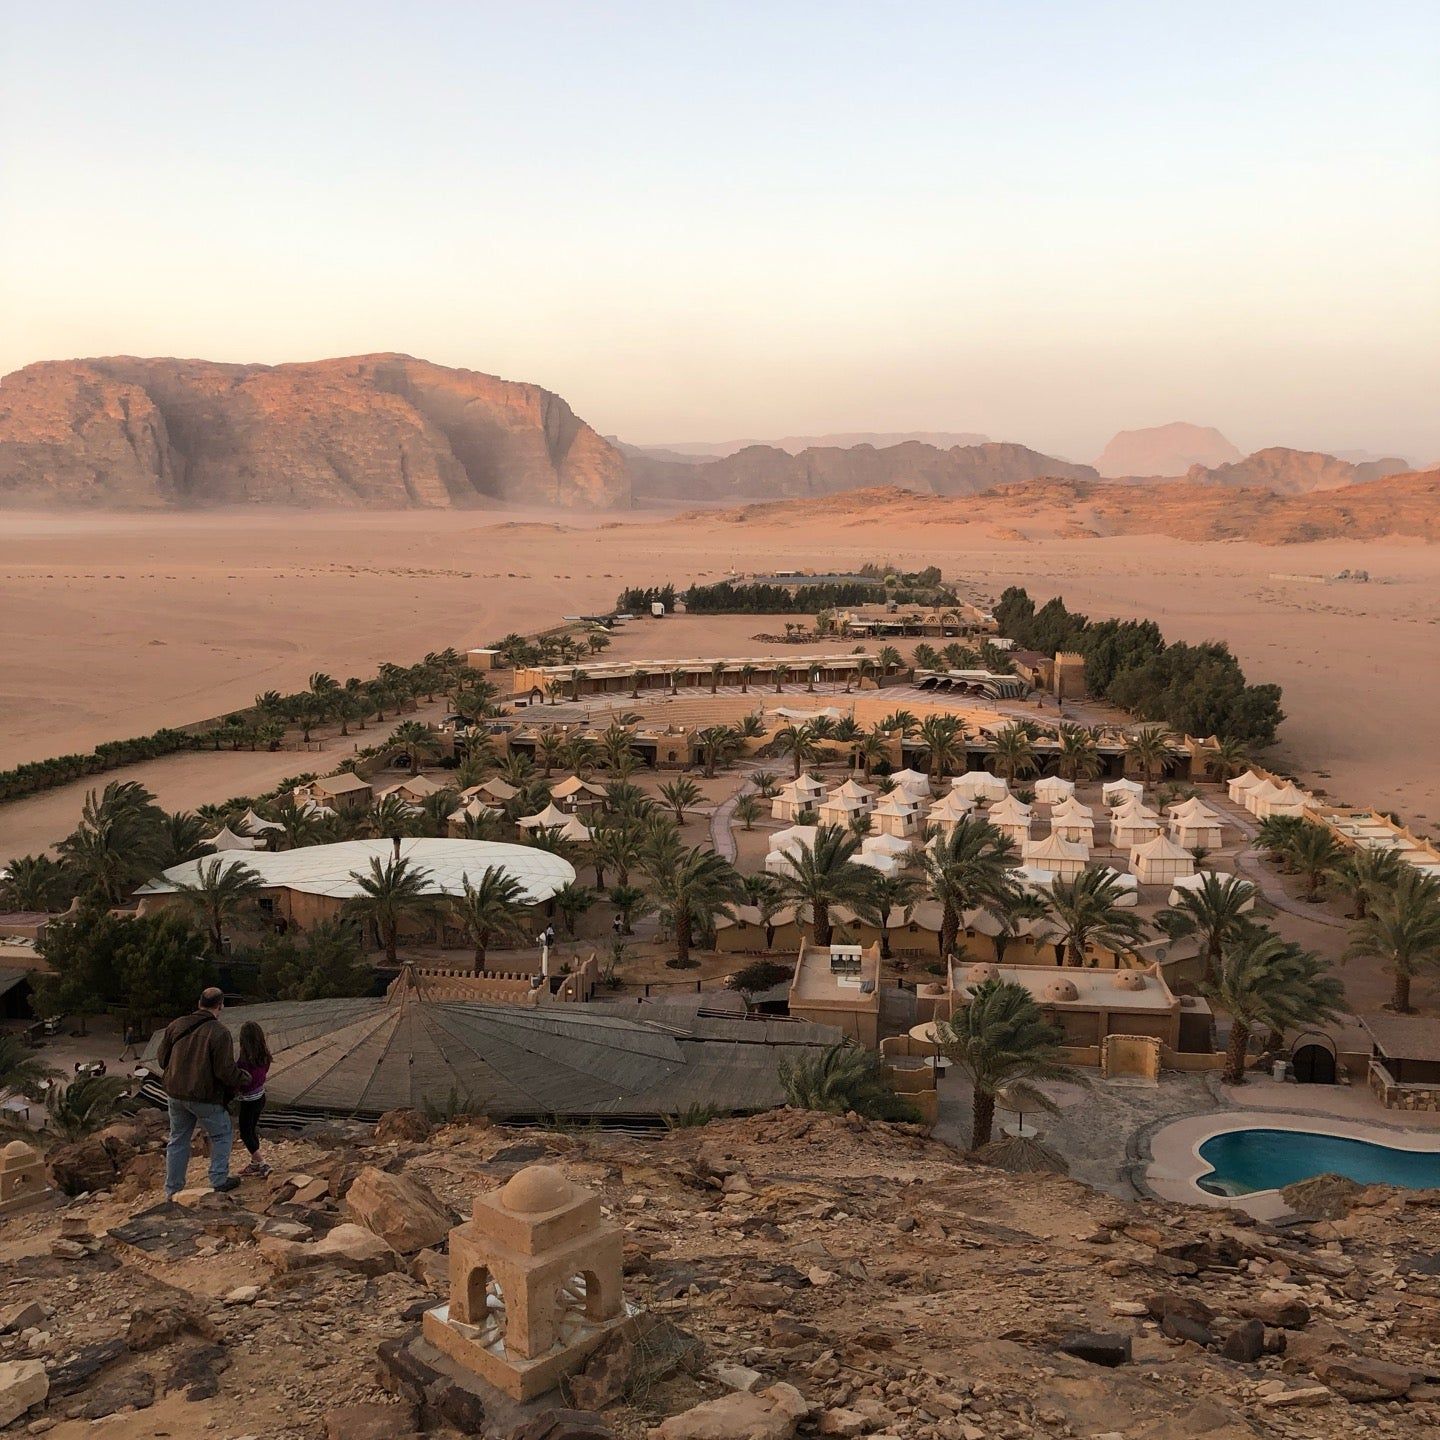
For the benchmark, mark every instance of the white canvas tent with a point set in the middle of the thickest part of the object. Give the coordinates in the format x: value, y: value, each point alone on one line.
x: 226, y: 839
x: 854, y: 790
x: 1241, y: 786
x: 885, y: 845
x: 1196, y: 829
x: 1133, y: 824
x: 1062, y: 858
x: 1127, y: 886
x: 897, y: 814
x: 913, y: 781
x: 1071, y: 807
x: 1078, y: 829
x: 980, y: 785
x: 1115, y: 792
x: 1052, y: 790
x: 1258, y: 796
x: 1287, y: 800
x: 1011, y: 818
x: 550, y: 818
x: 1160, y: 861
x: 1196, y: 881
x: 838, y: 809
x: 253, y: 824
x: 784, y: 844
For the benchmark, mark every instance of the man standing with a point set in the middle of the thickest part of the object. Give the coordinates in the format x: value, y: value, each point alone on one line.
x: 198, y: 1058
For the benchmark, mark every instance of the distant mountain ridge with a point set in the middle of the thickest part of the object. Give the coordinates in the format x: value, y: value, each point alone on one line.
x: 764, y: 471
x: 367, y: 430
x: 1294, y: 472
x: 699, y: 450
x: 1165, y: 450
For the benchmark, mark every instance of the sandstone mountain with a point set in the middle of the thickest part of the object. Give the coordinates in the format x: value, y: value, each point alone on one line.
x: 1407, y: 504
x: 369, y: 430
x: 1165, y: 450
x: 1294, y: 472
x: 694, y: 450
x: 765, y: 470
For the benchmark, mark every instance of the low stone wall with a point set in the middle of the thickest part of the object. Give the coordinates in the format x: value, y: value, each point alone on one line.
x: 1402, y: 1097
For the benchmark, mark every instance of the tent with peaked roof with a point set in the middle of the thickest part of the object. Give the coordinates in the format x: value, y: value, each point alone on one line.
x: 1114, y: 792
x: 1241, y: 786
x: 915, y: 781
x: 1288, y: 799
x: 470, y: 810
x: 980, y: 785
x: 550, y: 818
x: 854, y: 790
x: 414, y: 788
x: 1257, y: 796
x: 1062, y: 858
x: 253, y: 824
x: 1160, y: 861
x: 1052, y: 790
x: 897, y: 814
x: 1133, y: 824
x: 838, y: 809
x: 1079, y: 829
x: 1071, y: 807
x: 1127, y: 887
x: 226, y: 839
x: 581, y: 794
x: 495, y: 790
x: 1196, y: 828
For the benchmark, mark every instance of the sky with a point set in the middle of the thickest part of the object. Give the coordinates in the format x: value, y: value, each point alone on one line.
x: 1042, y: 221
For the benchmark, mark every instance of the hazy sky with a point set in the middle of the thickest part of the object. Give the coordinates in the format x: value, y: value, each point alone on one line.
x: 1045, y: 221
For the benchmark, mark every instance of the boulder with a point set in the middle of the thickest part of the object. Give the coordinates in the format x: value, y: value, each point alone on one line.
x: 770, y: 1414
x: 564, y: 1425
x: 1358, y: 1377
x: 1283, y: 1312
x: 1181, y: 1327
x: 351, y: 1247
x: 1245, y: 1344
x: 24, y: 1316
x: 605, y: 1375
x: 153, y: 1324
x: 407, y: 1217
x: 88, y: 1165
x: 1098, y: 1348
x: 845, y: 1423
x: 23, y: 1384
x: 1176, y: 1302
x: 403, y: 1126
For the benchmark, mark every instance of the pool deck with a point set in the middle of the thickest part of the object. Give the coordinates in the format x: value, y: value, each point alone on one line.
x: 1176, y: 1165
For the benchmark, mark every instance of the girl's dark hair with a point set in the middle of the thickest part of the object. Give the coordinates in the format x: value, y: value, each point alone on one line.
x: 253, y: 1049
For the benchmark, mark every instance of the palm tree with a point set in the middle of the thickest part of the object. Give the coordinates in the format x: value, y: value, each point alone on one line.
x: 825, y: 874
x: 482, y: 825
x: 1315, y: 853
x: 800, y: 742
x: 630, y: 904
x: 717, y: 745
x: 391, y: 892
x: 435, y: 808
x: 390, y: 816
x: 763, y: 893
x: 1014, y: 752
x: 1214, y: 913
x: 1016, y: 908
x: 889, y: 660
x: 417, y: 739
x: 746, y: 674
x: 882, y: 897
x: 1402, y: 931
x: 1079, y: 756
x: 926, y: 657
x: 637, y: 679
x: 1001, y: 1041
x: 86, y: 1105
x: 1086, y: 911
x: 301, y: 826
x: 842, y: 1080
x: 118, y: 842
x: 1149, y: 749
x: 182, y: 838
x: 692, y: 888
x: 1363, y: 874
x: 492, y: 912
x: 31, y: 882
x: 904, y: 721
x: 680, y: 795
x: 869, y: 750
x: 220, y: 893
x: 22, y: 1071
x: 968, y: 869
x: 943, y: 737
x: 1265, y: 980
x: 549, y: 746
x: 1277, y: 835
x: 572, y: 900
x: 748, y: 810
x: 1229, y: 757
x: 616, y: 744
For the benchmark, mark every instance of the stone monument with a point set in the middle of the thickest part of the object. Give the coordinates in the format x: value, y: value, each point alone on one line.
x: 22, y: 1177
x: 534, y: 1284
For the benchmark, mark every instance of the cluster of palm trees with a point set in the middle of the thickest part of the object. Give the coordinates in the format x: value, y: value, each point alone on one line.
x: 1394, y: 908
x: 557, y: 648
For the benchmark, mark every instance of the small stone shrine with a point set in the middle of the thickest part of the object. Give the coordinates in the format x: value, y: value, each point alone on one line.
x: 534, y: 1284
x: 22, y: 1177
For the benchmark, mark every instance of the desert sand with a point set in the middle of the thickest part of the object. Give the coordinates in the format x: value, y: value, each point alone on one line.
x: 117, y: 624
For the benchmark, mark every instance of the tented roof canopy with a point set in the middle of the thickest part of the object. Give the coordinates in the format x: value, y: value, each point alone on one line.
x: 1112, y: 790
x: 1052, y: 847
x: 1162, y: 847
x: 226, y: 839
x: 979, y: 785
x: 329, y: 869
x: 550, y: 818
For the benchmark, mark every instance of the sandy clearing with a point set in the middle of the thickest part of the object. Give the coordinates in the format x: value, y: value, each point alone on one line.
x: 118, y: 624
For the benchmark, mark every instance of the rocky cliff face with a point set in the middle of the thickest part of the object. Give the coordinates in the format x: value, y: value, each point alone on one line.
x: 766, y: 471
x: 380, y: 430
x: 1294, y: 472
x: 1165, y: 450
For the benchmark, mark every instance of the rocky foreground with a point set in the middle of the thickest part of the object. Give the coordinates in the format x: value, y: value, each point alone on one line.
x: 802, y: 1274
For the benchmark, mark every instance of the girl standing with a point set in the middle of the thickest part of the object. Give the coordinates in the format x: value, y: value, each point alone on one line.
x: 255, y: 1059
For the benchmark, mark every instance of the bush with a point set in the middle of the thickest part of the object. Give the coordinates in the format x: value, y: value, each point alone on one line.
x: 759, y: 975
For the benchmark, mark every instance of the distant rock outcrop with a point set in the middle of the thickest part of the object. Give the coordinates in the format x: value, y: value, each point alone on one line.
x: 370, y: 430
x: 1294, y: 472
x: 765, y: 471
x: 1165, y: 450
x: 700, y: 450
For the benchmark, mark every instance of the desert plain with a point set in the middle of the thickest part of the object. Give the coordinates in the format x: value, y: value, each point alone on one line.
x: 118, y: 623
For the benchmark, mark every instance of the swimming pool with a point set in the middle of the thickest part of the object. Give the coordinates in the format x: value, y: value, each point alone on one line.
x: 1244, y: 1161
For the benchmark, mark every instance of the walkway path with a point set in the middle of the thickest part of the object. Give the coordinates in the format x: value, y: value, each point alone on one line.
x: 722, y: 839
x: 1250, y: 861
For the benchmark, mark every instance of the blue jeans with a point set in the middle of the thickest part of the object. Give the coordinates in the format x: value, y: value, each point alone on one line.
x: 215, y: 1120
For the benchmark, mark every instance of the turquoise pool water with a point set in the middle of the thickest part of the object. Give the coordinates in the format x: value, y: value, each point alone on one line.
x: 1246, y: 1160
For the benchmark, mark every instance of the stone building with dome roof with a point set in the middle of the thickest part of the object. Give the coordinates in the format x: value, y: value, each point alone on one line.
x: 1087, y: 1006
